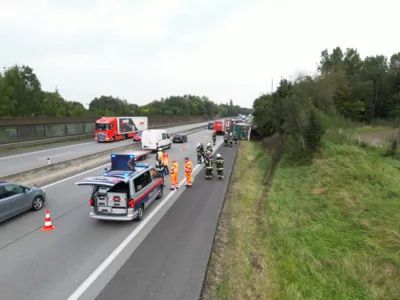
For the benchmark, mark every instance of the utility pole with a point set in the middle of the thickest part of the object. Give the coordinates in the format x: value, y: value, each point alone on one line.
x: 272, y: 85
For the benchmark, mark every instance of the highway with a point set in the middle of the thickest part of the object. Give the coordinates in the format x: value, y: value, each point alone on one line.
x: 52, y: 265
x: 27, y: 159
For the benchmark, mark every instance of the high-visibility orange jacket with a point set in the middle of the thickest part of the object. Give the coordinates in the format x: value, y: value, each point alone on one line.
x: 165, y: 159
x: 174, y: 168
x: 188, y: 167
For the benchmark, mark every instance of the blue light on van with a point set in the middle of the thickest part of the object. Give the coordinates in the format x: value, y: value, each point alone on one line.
x: 112, y: 155
x: 132, y: 156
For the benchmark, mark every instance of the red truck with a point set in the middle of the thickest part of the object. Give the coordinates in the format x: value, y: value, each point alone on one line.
x: 111, y: 129
x: 220, y: 127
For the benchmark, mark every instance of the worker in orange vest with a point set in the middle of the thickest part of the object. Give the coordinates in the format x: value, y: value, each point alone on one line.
x: 165, y: 159
x: 188, y: 172
x: 174, y: 175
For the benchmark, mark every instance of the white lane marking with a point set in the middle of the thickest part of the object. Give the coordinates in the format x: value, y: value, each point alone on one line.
x: 103, y: 266
x: 54, y: 155
x: 42, y: 151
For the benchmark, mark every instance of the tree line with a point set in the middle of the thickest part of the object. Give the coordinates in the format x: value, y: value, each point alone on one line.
x: 21, y: 95
x: 345, y: 85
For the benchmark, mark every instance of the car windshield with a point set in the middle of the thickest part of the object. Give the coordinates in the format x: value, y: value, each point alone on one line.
x: 178, y: 136
x: 102, y: 126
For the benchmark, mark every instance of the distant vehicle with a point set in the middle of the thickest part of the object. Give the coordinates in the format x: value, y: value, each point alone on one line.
x: 211, y: 125
x: 155, y: 139
x: 138, y: 137
x: 16, y: 199
x: 179, y: 138
x: 125, y: 191
x: 111, y: 129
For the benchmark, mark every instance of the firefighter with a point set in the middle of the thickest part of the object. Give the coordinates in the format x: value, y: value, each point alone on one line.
x: 230, y: 140
x: 209, y: 148
x: 188, y: 172
x: 174, y: 175
x: 199, y: 153
x: 160, y: 169
x: 219, y: 165
x: 202, y: 151
x: 235, y: 138
x: 209, y: 166
x: 165, y: 160
x: 226, y: 139
x: 214, y: 138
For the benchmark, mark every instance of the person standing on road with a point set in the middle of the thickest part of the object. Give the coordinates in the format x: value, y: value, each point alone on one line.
x: 160, y: 169
x: 188, y: 172
x: 219, y: 165
x: 214, y: 138
x: 159, y: 154
x: 165, y: 159
x: 174, y: 175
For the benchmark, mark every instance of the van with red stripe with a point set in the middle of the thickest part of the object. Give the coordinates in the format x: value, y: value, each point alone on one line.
x: 125, y: 191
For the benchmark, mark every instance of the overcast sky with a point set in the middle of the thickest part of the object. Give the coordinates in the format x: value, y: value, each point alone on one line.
x: 224, y: 49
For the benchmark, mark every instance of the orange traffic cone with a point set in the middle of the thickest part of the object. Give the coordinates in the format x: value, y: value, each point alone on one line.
x: 47, y: 222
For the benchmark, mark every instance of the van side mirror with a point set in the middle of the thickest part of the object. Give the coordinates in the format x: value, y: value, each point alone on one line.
x: 105, y: 169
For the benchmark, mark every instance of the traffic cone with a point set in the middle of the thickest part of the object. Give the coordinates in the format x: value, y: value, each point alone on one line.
x: 47, y: 222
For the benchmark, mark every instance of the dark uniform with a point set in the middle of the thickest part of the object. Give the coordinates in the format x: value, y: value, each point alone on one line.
x: 219, y: 165
x: 209, y: 166
x: 235, y: 137
x: 199, y: 151
x: 230, y: 140
x: 160, y: 169
x: 214, y: 138
x: 226, y: 139
x: 209, y: 149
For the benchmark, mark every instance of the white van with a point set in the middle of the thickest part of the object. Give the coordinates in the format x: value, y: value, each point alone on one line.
x: 155, y: 139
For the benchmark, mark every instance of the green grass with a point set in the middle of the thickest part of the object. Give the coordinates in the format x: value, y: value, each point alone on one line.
x: 328, y: 230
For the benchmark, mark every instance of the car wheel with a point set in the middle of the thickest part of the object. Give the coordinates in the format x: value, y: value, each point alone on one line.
x: 37, y: 203
x: 169, y: 146
x: 161, y: 193
x: 140, y: 213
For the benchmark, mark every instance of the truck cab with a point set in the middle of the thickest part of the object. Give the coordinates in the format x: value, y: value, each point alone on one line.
x: 123, y: 192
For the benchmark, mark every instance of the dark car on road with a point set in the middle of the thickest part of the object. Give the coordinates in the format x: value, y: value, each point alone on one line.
x: 16, y: 199
x: 179, y: 138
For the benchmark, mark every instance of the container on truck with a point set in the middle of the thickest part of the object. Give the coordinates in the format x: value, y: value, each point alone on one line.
x: 111, y: 129
x: 243, y: 131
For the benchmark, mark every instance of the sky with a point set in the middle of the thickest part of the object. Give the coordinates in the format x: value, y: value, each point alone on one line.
x: 223, y: 49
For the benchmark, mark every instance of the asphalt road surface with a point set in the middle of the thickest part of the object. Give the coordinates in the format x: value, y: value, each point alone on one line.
x: 52, y: 265
x: 27, y: 159
x: 171, y: 261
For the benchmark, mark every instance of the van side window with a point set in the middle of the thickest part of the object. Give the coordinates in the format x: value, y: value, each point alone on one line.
x: 142, y: 181
x: 168, y: 137
x: 164, y: 136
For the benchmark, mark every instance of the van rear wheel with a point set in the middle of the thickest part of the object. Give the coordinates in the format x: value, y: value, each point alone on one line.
x: 140, y: 213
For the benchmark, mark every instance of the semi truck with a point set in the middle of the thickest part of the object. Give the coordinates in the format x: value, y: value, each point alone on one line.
x: 111, y: 129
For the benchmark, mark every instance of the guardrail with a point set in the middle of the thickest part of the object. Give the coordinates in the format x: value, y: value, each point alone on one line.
x: 44, y: 141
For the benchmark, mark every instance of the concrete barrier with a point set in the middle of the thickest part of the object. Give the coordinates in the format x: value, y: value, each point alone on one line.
x: 50, y: 173
x: 15, y: 145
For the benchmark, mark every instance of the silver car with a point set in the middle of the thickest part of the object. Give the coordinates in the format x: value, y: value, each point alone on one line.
x: 16, y: 199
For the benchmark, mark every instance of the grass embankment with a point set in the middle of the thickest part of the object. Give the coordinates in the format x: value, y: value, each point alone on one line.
x: 329, y: 230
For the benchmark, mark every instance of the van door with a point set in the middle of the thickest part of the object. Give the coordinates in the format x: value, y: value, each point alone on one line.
x: 144, y: 192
